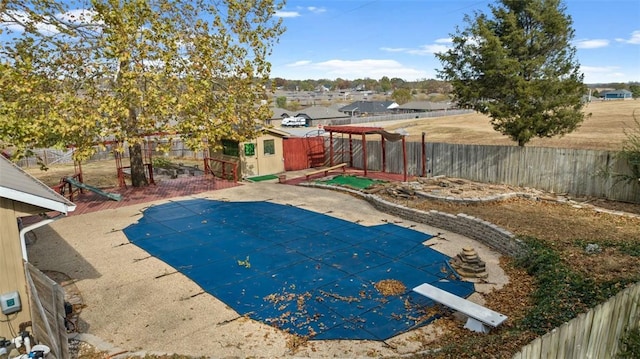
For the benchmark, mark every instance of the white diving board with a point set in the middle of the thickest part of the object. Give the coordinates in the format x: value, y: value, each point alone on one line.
x: 480, y: 319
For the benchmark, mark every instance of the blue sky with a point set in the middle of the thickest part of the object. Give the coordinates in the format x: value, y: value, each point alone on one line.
x: 397, y: 38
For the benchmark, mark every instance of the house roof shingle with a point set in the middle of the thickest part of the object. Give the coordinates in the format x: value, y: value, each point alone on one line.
x: 369, y: 106
x: 424, y: 106
x: 17, y: 185
x: 321, y: 112
x: 622, y: 91
x: 280, y: 113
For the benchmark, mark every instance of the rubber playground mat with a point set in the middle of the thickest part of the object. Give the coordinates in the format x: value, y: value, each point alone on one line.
x: 301, y: 271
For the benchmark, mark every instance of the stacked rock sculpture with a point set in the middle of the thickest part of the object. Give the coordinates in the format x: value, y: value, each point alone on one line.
x: 468, y: 264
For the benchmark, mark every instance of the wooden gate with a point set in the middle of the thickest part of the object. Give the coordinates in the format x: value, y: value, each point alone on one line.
x: 48, y: 314
x: 303, y: 152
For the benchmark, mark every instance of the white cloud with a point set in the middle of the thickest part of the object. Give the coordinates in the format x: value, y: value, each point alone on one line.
x: 602, y: 74
x: 287, y: 14
x: 78, y: 16
x: 394, y: 49
x: 428, y: 49
x: 634, y: 39
x: 353, y: 69
x: 592, y: 44
x: 11, y: 20
x: 299, y: 63
x: 447, y: 40
x: 316, y: 10
x: 422, y: 50
x: 599, y: 69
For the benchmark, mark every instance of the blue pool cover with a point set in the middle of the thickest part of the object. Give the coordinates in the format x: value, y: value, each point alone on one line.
x: 301, y: 271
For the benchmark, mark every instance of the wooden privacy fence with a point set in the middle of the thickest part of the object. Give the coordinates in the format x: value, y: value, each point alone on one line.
x: 51, y: 156
x: 595, y: 334
x: 558, y: 170
x: 47, y: 312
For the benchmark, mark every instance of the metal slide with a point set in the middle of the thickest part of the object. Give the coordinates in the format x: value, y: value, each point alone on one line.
x: 113, y: 196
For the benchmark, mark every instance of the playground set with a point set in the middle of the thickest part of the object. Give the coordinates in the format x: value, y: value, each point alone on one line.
x: 73, y: 185
x: 124, y: 171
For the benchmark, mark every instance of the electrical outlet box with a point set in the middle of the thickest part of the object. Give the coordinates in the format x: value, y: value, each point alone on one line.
x: 10, y: 302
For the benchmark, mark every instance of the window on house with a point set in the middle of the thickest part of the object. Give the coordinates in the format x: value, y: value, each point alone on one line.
x: 269, y: 147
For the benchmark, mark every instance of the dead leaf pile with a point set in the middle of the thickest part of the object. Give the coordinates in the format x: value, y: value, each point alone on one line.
x: 388, y: 287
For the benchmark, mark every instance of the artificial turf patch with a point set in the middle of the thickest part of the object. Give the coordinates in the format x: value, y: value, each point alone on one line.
x: 352, y: 181
x: 262, y: 178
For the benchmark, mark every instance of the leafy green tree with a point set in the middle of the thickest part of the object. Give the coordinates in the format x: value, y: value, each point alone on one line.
x: 342, y: 84
x: 281, y: 101
x: 294, y: 105
x: 518, y: 67
x: 78, y: 72
x: 370, y: 84
x: 397, y: 83
x: 433, y: 86
x: 307, y: 85
x: 401, y: 96
x: 635, y: 90
x: 385, y: 84
x: 279, y: 82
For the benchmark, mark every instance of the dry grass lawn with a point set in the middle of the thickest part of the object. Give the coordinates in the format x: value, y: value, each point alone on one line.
x: 603, y: 130
x: 101, y: 174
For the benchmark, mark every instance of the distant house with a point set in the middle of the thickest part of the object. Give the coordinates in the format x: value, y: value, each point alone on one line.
x: 423, y: 106
x: 368, y: 108
x: 616, y: 95
x: 278, y: 115
x: 344, y: 94
x: 321, y: 115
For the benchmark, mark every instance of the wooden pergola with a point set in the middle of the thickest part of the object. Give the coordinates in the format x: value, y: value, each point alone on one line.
x: 364, y: 131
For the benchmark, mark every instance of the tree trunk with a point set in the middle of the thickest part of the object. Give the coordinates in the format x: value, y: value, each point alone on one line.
x: 138, y: 176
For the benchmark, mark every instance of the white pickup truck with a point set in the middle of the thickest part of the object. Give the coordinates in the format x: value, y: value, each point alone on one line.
x: 294, y: 122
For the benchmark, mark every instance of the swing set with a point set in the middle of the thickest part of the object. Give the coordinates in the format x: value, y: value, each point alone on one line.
x: 124, y: 171
x: 363, y: 132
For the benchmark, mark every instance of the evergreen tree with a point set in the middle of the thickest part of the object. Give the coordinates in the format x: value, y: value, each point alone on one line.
x: 635, y: 90
x: 517, y: 66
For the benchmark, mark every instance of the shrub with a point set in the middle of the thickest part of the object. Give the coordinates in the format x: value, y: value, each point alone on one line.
x: 561, y: 293
x: 630, y: 344
x: 161, y: 162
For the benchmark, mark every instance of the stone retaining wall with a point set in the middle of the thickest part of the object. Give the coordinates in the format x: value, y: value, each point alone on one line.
x: 482, y: 231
